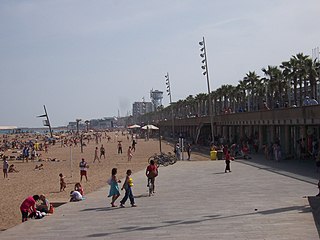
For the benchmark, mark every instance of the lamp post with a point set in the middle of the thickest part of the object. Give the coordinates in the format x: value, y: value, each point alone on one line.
x: 78, y: 120
x: 81, y: 137
x: 169, y: 94
x: 87, y: 125
x: 204, y: 61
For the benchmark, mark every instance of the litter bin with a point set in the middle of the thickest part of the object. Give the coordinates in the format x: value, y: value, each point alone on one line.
x: 213, y: 155
x: 219, y: 154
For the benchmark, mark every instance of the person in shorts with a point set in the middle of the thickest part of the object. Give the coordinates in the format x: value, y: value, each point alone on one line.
x: 5, y: 167
x: 83, y: 169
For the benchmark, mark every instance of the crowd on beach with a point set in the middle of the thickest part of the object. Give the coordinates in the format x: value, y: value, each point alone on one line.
x: 33, y: 148
x: 38, y: 206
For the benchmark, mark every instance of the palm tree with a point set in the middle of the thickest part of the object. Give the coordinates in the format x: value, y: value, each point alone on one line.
x: 275, y: 84
x: 251, y: 79
x: 300, y: 74
x: 226, y: 91
x: 218, y: 96
x: 312, y: 67
x: 190, y: 105
x: 241, y: 89
x: 201, y: 100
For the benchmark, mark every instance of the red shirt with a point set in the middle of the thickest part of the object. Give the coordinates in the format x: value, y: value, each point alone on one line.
x: 152, y: 168
x: 28, y: 204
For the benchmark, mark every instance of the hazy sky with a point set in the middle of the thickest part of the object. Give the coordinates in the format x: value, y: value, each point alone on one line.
x: 91, y: 59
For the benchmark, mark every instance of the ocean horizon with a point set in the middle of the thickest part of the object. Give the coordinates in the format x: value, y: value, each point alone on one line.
x: 35, y: 130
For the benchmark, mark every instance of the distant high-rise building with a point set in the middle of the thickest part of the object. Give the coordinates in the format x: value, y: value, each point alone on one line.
x: 156, y: 98
x: 140, y: 108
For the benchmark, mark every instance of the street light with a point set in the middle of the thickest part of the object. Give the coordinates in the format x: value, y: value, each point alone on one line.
x: 78, y: 120
x: 204, y: 67
x: 169, y: 94
x: 87, y: 125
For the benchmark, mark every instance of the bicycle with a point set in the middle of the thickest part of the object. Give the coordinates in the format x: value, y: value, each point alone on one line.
x: 150, y: 186
x: 163, y: 159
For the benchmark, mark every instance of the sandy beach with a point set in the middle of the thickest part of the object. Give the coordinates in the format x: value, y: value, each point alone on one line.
x: 28, y: 181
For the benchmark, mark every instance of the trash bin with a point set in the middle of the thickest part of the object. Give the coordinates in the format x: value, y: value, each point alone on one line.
x: 213, y: 155
x: 219, y: 154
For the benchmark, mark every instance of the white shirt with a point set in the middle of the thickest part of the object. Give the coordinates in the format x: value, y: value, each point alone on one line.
x: 76, y: 196
x: 83, y: 166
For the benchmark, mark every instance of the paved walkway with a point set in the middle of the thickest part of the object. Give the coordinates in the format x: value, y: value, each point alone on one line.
x: 194, y: 200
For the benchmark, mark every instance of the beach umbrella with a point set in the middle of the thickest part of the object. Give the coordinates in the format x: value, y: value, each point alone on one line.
x: 150, y: 127
x: 134, y: 126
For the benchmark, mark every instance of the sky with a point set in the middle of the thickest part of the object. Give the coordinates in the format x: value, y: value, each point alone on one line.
x: 94, y: 59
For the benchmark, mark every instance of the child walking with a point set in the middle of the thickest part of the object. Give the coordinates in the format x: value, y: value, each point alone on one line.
x: 129, y: 153
x: 228, y: 158
x: 114, y: 187
x: 127, y: 186
x: 63, y: 184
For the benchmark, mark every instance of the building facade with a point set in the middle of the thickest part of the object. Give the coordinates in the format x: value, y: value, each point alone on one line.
x: 140, y: 108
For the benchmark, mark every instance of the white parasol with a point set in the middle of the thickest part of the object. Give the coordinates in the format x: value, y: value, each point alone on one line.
x: 150, y: 127
x: 134, y: 126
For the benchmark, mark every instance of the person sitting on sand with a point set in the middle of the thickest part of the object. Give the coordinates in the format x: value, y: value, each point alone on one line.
x: 79, y: 188
x: 44, y: 205
x: 38, y: 167
x: 75, y: 196
x: 12, y: 169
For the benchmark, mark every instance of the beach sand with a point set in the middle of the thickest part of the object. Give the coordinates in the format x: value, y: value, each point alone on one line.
x: 30, y: 182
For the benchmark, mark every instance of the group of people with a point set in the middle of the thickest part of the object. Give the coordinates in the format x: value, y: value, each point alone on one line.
x: 6, y: 168
x: 35, y: 207
x: 114, y: 192
x: 77, y: 194
x: 178, y: 151
x: 130, y: 151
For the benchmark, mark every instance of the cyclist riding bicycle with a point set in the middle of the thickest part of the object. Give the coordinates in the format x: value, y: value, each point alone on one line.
x: 152, y: 173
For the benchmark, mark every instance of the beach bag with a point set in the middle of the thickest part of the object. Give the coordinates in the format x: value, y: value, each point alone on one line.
x: 51, y: 210
x: 109, y: 181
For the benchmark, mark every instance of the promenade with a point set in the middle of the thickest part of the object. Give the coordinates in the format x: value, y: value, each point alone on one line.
x: 194, y: 200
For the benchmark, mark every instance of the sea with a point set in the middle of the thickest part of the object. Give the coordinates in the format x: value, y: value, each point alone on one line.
x: 41, y: 131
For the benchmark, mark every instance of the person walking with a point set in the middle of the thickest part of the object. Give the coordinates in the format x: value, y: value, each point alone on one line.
x: 83, y: 169
x: 227, y: 161
x: 188, y: 148
x: 96, y: 157
x: 5, y: 167
x: 133, y: 146
x: 119, y: 147
x: 114, y: 187
x: 127, y: 186
x: 102, y: 152
x: 129, y: 153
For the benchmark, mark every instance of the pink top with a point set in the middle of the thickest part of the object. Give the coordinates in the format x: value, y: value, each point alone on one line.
x: 28, y: 204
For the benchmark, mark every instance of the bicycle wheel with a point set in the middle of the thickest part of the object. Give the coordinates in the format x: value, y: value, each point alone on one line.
x: 150, y: 188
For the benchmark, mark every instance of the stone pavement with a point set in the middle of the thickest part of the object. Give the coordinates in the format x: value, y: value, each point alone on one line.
x: 193, y: 200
